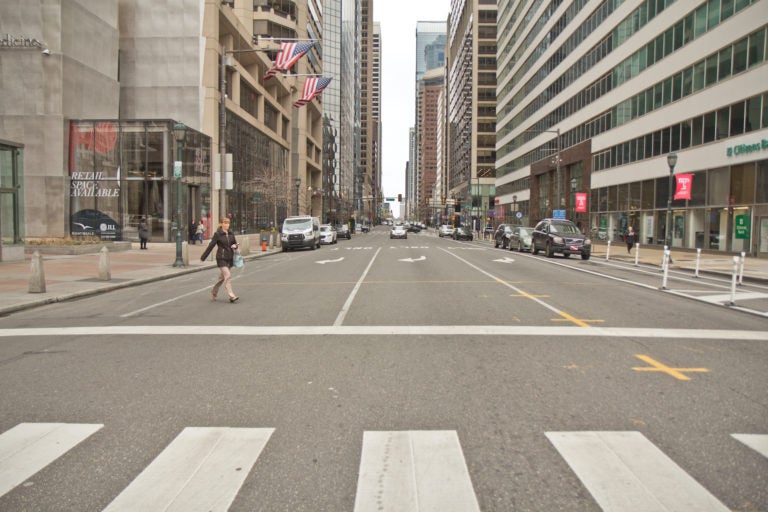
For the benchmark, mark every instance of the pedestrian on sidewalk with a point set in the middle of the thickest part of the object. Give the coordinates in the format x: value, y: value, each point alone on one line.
x: 143, y: 233
x: 226, y: 243
x: 199, y: 231
x: 629, y: 238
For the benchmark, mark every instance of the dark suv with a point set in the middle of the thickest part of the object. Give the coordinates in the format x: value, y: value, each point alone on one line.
x: 559, y: 235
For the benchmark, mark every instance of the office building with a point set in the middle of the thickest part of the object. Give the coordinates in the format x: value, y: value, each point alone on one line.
x: 594, y: 97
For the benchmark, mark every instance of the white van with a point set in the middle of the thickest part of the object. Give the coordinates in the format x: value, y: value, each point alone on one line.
x: 300, y: 231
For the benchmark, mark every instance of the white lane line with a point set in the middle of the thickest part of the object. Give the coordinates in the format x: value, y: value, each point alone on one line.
x: 348, y: 303
x: 512, y: 287
x: 29, y: 447
x: 508, y: 331
x: 757, y: 442
x: 417, y: 471
x: 201, y: 470
x: 625, y: 471
x: 173, y: 299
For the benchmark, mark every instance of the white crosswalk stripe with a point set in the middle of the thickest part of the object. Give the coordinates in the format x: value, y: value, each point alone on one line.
x: 201, y: 470
x: 625, y: 471
x: 759, y: 443
x: 29, y: 447
x: 418, y: 471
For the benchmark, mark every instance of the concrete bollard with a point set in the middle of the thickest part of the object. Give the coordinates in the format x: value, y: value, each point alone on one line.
x: 104, y: 273
x: 37, y: 278
x: 185, y: 253
x: 608, y: 251
x: 245, y: 245
x: 637, y: 252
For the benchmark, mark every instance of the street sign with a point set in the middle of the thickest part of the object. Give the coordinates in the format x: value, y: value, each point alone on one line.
x: 742, y: 226
x: 558, y: 214
x: 177, y: 169
x: 390, y: 199
x: 519, y: 215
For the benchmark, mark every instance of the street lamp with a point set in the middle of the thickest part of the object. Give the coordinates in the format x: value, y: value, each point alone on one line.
x: 671, y: 162
x: 573, y: 198
x: 514, y: 207
x: 179, y: 132
x: 297, y: 182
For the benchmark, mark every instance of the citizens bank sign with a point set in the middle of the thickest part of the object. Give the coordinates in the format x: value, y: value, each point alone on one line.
x: 8, y: 41
x: 744, y: 149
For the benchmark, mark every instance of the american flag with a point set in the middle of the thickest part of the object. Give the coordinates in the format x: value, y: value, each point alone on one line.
x: 312, y: 87
x: 287, y: 57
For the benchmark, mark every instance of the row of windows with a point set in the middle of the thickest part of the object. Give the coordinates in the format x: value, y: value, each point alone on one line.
x: 739, y: 184
x: 729, y: 61
x: 736, y: 119
x: 586, y: 28
x: 650, y: 8
x: 533, y: 33
x: 523, y: 25
x: 602, y: 86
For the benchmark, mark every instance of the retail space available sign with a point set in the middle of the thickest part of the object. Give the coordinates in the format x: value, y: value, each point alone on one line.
x: 93, y: 184
x: 742, y: 226
x: 744, y: 149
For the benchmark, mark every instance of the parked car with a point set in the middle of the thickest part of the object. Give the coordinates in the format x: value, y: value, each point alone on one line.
x: 328, y: 234
x: 501, y: 236
x: 462, y: 233
x: 414, y: 228
x: 398, y: 231
x: 560, y: 236
x: 342, y: 231
x: 520, y: 238
x: 445, y: 230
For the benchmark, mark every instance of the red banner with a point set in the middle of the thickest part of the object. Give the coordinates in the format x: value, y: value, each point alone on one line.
x: 684, y: 184
x: 581, y: 202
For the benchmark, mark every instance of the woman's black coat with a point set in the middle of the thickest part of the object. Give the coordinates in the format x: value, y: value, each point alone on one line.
x: 224, y: 254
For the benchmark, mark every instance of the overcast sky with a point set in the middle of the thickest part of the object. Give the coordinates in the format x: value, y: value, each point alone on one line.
x: 398, y: 46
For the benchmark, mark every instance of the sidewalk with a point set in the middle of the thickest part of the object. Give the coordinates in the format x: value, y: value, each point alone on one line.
x: 72, y: 276
x: 755, y: 269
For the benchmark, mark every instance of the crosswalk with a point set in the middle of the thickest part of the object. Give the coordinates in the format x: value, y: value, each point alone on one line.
x: 203, y: 469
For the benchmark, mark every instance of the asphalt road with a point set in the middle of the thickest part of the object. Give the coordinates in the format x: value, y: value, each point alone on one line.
x: 377, y: 374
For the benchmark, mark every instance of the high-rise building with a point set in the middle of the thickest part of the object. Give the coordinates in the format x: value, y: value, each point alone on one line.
x: 338, y: 108
x: 377, y: 192
x: 110, y: 146
x: 431, y: 85
x: 601, y: 105
x: 471, y: 105
x: 430, y: 54
x: 366, y: 176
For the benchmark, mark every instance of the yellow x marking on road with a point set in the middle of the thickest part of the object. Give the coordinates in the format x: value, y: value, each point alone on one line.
x: 678, y: 373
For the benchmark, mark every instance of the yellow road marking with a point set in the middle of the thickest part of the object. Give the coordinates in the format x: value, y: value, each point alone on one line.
x: 577, y: 321
x: 590, y: 321
x: 678, y: 373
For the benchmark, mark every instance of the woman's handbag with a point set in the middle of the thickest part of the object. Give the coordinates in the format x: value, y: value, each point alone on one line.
x: 237, y: 260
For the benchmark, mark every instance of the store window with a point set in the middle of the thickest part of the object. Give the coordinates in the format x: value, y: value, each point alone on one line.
x: 743, y: 183
x: 719, y: 186
x: 11, y: 196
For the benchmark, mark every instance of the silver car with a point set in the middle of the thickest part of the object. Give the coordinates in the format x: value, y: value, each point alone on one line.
x: 520, y: 238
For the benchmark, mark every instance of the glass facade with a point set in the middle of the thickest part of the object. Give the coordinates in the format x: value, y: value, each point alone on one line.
x: 11, y: 194
x: 122, y: 171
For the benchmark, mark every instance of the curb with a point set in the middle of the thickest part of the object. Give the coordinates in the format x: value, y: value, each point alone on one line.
x: 118, y: 286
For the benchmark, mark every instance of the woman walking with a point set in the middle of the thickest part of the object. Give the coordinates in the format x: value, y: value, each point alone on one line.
x: 226, y: 244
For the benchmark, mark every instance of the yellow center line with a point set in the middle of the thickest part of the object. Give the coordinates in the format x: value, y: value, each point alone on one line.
x: 678, y: 373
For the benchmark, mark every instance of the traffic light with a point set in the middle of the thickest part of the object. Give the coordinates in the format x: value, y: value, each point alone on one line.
x: 443, y: 200
x: 399, y: 198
